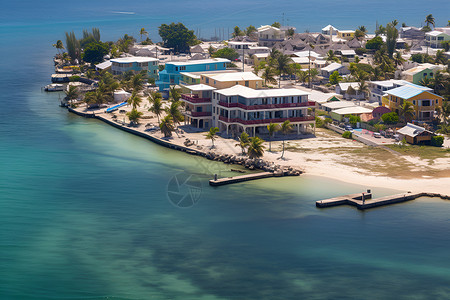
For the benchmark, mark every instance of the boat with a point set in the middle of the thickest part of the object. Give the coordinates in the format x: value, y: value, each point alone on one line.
x: 54, y: 87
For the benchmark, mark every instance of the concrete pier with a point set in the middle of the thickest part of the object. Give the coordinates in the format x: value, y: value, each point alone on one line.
x: 356, y: 200
x: 242, y: 178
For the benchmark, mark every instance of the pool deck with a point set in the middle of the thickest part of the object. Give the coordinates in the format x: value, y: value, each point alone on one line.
x: 368, y: 202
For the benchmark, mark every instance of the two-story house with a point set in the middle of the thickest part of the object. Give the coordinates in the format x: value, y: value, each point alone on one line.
x: 268, y: 36
x: 135, y: 64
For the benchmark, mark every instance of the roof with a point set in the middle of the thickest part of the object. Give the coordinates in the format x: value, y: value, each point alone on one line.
x: 332, y: 67
x: 347, y: 52
x: 197, y: 74
x: 242, y: 43
x: 346, y: 31
x: 412, y: 130
x: 393, y: 82
x: 200, y: 87
x: 104, y: 65
x: 261, y: 55
x: 435, y: 33
x: 328, y: 27
x: 406, y: 91
x: 267, y: 27
x: 320, y: 97
x: 338, y: 104
x: 199, y: 62
x: 300, y: 60
x: 420, y: 68
x: 353, y: 110
x: 246, y: 92
x: 130, y: 59
x: 345, y: 85
x: 307, y: 54
x: 237, y: 76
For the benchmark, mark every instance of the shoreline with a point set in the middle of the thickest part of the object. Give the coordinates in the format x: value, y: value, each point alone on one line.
x: 335, y: 171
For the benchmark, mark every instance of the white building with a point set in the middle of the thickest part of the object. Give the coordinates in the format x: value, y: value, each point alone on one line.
x: 268, y: 36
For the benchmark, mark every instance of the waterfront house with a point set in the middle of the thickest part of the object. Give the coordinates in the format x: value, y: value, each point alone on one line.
x: 268, y: 36
x: 414, y: 134
x: 329, y: 30
x: 226, y: 80
x: 171, y: 74
x: 106, y: 65
x: 424, y: 101
x: 189, y: 78
x: 198, y: 105
x: 416, y: 74
x: 240, y: 108
x: 435, y: 38
x: 135, y: 64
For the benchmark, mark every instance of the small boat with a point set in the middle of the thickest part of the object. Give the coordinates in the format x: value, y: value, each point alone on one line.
x: 54, y: 87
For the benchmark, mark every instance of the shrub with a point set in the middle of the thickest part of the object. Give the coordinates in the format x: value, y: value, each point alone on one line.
x: 347, y: 135
x: 390, y: 118
x: 360, y: 51
x: 319, y: 122
x: 74, y: 78
x: 375, y: 43
x: 437, y: 140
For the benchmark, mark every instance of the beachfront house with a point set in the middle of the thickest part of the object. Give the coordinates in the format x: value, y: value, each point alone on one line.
x: 226, y: 80
x: 329, y: 30
x: 135, y: 64
x: 268, y: 36
x: 435, y: 38
x: 416, y: 74
x: 198, y: 105
x: 240, y: 108
x: 424, y: 101
x: 414, y: 134
x: 346, y: 34
x: 171, y: 74
x: 189, y: 78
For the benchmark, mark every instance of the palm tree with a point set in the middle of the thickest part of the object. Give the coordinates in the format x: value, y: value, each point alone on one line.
x: 302, y: 76
x: 243, y: 141
x: 272, y: 128
x: 406, y: 111
x: 444, y: 113
x: 174, y: 112
x: 174, y: 93
x: 313, y: 74
x: 285, y: 128
x: 71, y: 93
x: 155, y: 100
x: 429, y: 19
x: 134, y: 101
x: 440, y: 57
x: 362, y: 29
x: 59, y: 45
x: 212, y: 134
x: 167, y: 126
x: 143, y: 32
x: 282, y: 62
x: 398, y: 59
x: 363, y: 88
x: 137, y: 82
x: 255, y: 147
x: 331, y: 56
x: 268, y: 75
x: 95, y: 98
x: 134, y: 115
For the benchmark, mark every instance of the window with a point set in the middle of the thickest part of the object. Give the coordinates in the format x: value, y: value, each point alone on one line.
x: 437, y: 101
x: 414, y: 102
x: 176, y: 68
x: 207, y: 80
x: 246, y: 83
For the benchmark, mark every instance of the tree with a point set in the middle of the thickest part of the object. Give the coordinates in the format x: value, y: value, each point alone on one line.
x: 250, y: 29
x: 243, y: 140
x: 174, y: 93
x: 272, y: 128
x: 440, y: 57
x: 71, y: 93
x: 429, y: 20
x: 268, y: 75
x: 375, y: 43
x: 174, y: 111
x: 359, y: 34
x: 276, y: 25
x: 290, y: 32
x: 380, y: 30
x: 228, y: 53
x: 177, y: 36
x: 390, y: 118
x: 282, y: 63
x: 363, y: 88
x: 73, y: 47
x: 285, y: 128
x: 143, y: 32
x: 94, y: 52
x: 353, y: 119
x: 255, y: 147
x: 335, y: 77
x: 391, y: 39
x: 313, y: 74
x: 398, y: 59
x: 302, y: 76
x: 406, y: 111
x: 362, y: 29
x: 237, y: 32
x: 134, y: 115
x: 59, y: 45
x: 167, y: 126
x: 95, y: 98
x: 331, y: 56
x: 444, y: 113
x: 212, y: 134
x: 155, y: 100
x: 134, y: 100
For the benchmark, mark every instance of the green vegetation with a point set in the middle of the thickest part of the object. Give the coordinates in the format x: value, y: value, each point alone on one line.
x: 167, y: 126
x: 276, y: 25
x: 250, y: 29
x: 134, y: 115
x: 285, y: 128
x: 272, y: 128
x: 143, y: 32
x: 353, y: 119
x: 347, y: 135
x: 390, y: 118
x: 255, y: 147
x: 244, y: 141
x: 227, y: 53
x: 437, y: 141
x: 335, y: 77
x: 237, y: 32
x: 212, y: 135
x: 156, y: 103
x: 391, y: 38
x: 94, y: 52
x: 177, y: 36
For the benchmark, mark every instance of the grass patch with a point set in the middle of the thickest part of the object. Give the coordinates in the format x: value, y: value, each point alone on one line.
x: 423, y: 152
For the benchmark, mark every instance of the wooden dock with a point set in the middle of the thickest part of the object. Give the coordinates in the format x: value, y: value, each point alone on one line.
x: 368, y: 202
x: 242, y: 178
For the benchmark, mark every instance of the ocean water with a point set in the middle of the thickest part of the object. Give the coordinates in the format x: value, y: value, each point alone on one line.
x: 85, y: 210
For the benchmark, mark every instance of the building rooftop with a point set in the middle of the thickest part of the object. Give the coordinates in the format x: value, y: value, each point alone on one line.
x: 197, y: 75
x: 199, y: 62
x: 104, y: 65
x: 338, y: 104
x: 332, y: 67
x: 236, y: 76
x: 199, y: 87
x: 406, y: 91
x: 328, y: 27
x: 240, y: 90
x: 353, y: 110
x: 347, y: 52
x: 420, y: 68
x: 131, y: 59
x: 411, y: 130
x: 345, y: 85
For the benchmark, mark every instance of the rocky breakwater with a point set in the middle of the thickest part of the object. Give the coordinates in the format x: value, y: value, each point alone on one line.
x: 253, y: 164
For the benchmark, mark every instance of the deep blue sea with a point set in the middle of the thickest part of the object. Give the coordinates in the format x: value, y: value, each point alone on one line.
x: 85, y: 211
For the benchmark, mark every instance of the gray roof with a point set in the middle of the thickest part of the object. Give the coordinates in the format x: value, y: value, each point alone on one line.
x: 412, y: 130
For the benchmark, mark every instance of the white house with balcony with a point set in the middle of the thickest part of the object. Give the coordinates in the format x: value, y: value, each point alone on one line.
x: 198, y: 105
x: 435, y: 38
x: 268, y: 36
x: 239, y: 108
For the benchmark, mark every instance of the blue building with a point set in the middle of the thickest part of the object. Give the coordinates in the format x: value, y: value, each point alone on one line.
x: 135, y: 64
x: 171, y: 74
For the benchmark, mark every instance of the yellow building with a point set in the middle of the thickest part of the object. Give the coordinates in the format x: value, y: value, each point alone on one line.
x: 259, y: 57
x: 227, y: 80
x: 346, y: 34
x: 424, y: 101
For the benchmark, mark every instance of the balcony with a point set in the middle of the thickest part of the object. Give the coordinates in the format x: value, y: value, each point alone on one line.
x: 267, y: 106
x: 195, y: 99
x: 197, y: 114
x: 265, y: 121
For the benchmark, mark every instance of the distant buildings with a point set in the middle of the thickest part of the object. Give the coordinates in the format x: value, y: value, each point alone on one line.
x: 417, y: 74
x: 268, y: 36
x: 227, y: 80
x: 135, y: 64
x: 435, y: 38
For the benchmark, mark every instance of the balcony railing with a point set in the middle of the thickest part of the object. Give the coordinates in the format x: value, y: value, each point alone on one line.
x: 198, y: 113
x: 267, y: 106
x: 195, y: 99
x: 265, y: 121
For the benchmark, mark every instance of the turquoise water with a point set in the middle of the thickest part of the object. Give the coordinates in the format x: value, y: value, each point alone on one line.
x: 84, y: 211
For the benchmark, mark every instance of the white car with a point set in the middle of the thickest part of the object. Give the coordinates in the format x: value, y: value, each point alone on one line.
x: 377, y: 135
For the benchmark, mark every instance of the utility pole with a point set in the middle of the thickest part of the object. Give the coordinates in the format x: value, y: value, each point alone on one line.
x: 243, y: 59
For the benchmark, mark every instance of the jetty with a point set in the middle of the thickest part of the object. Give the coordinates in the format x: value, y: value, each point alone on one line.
x: 242, y: 178
x: 364, y: 201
